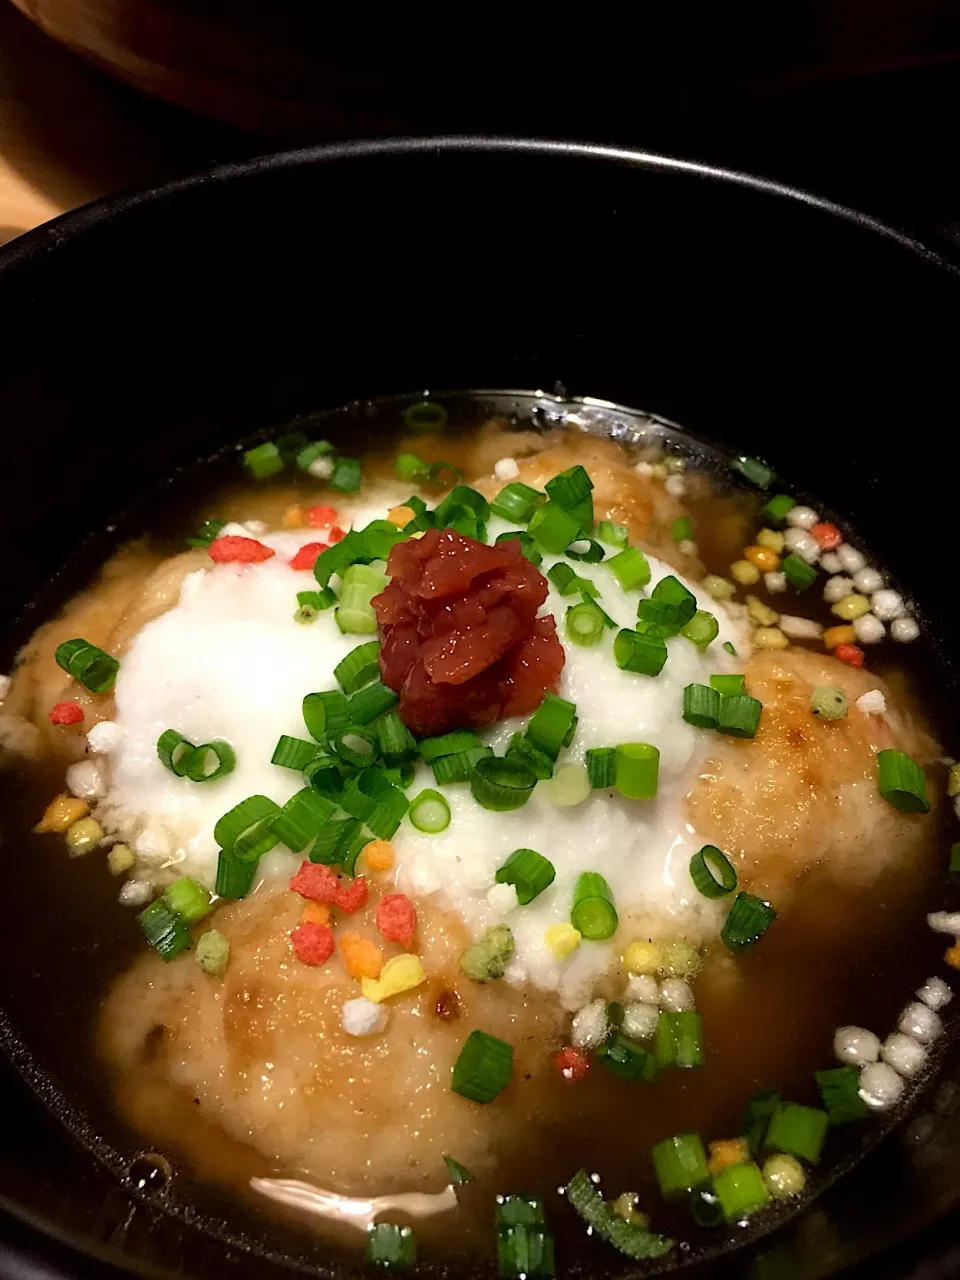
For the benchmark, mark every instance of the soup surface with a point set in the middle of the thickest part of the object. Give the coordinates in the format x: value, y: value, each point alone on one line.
x: 473, y: 797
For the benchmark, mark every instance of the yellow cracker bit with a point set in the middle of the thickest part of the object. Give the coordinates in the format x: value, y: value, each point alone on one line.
x: 642, y: 957
x: 292, y: 518
x: 62, y: 813
x: 315, y: 913
x: 839, y: 635
x: 400, y: 974
x: 400, y: 516
x: 952, y: 956
x: 562, y: 939
x: 727, y: 1152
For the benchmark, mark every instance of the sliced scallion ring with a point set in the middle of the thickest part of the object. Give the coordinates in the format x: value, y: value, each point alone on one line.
x: 502, y: 784
x: 246, y: 830
x: 712, y: 872
x: 210, y: 761
x: 174, y: 751
x: 429, y: 812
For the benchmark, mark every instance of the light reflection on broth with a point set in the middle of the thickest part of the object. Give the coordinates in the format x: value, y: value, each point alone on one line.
x: 251, y: 1081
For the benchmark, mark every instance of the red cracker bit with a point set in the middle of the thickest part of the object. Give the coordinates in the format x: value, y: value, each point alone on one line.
x: 851, y: 654
x: 336, y: 534
x: 320, y: 517
x: 66, y: 713
x: 236, y: 550
x: 572, y: 1064
x: 316, y: 882
x: 306, y: 557
x: 313, y: 943
x: 351, y: 896
x: 397, y: 918
x: 827, y: 535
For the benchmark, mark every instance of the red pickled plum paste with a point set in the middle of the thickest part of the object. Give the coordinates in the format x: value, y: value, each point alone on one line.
x: 461, y: 642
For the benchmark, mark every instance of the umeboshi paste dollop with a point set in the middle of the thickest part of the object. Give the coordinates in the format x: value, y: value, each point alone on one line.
x: 460, y: 640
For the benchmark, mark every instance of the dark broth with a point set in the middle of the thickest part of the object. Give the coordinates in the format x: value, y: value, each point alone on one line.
x: 68, y: 939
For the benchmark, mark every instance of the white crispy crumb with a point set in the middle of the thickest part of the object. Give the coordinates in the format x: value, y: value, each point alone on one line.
x: 5, y: 683
x: 935, y: 993
x: 945, y: 922
x: 676, y: 996
x: 590, y: 1025
x: 921, y: 1022
x: 800, y: 628
x: 503, y: 898
x: 640, y: 1021
x: 872, y: 703
x: 321, y: 468
x: 85, y: 780
x: 506, y: 469
x: 642, y: 988
x: 856, y: 1045
x: 676, y: 486
x: 135, y: 893
x: 105, y: 737
x: 362, y: 1017
x: 880, y: 1086
x: 903, y: 1053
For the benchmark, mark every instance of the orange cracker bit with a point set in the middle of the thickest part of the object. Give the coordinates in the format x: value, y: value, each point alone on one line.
x: 316, y: 913
x: 292, y: 518
x: 378, y: 855
x: 363, y: 958
x: 952, y: 956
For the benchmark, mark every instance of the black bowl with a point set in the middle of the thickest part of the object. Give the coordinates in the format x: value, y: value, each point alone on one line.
x: 147, y: 330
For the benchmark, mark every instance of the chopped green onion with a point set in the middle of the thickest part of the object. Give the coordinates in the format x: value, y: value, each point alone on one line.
x: 630, y: 568
x: 585, y: 624
x: 614, y: 535
x: 712, y: 872
x: 701, y: 706
x: 902, y: 782
x: 347, y: 475
x: 797, y: 572
x: 729, y: 686
x: 702, y: 629
x: 290, y: 445
x: 448, y: 744
x: 210, y: 761
x: 776, y: 509
x: 246, y: 830
x: 569, y: 488
x: 523, y: 749
x: 164, y: 928
x: 397, y: 744
x: 429, y: 812
x: 593, y: 913
x: 317, y: 600
x: 756, y: 1118
x: 502, y: 785
x: 749, y: 918
x: 484, y: 1067
x: 359, y: 667
x: 661, y: 618
x: 626, y: 1059
x: 566, y: 581
x: 425, y: 416
x: 553, y: 724
x: 679, y: 1040
x: 637, y: 770
x: 207, y: 533
x: 517, y: 502
x: 458, y: 767
x: 517, y: 1211
x: 705, y: 1208
x: 369, y: 703
x: 390, y: 1245
x: 188, y: 898
x: 90, y: 666
x: 728, y: 647
x: 680, y: 1164
x: 829, y: 702
x: 356, y: 745
x: 325, y: 776
x: 643, y: 654
x: 740, y: 1190
x: 234, y: 878
x: 527, y: 548
x: 311, y: 452
x: 840, y: 1090
x: 415, y: 503
x: 602, y: 766
x: 797, y: 1131
x: 444, y: 475
x: 409, y: 466
x: 263, y: 461
x: 487, y: 959
x: 526, y: 1251
x: 301, y: 818
x: 587, y: 550
x: 374, y: 799
x: 294, y: 753
x: 461, y: 501
x: 459, y: 1174
x: 756, y: 472
x: 529, y: 872
x: 174, y: 751
x: 325, y: 714
x: 739, y: 715
x: 354, y: 612
x: 682, y: 529
x: 334, y: 839
x: 553, y: 528
x: 633, y: 1240
x: 213, y: 952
